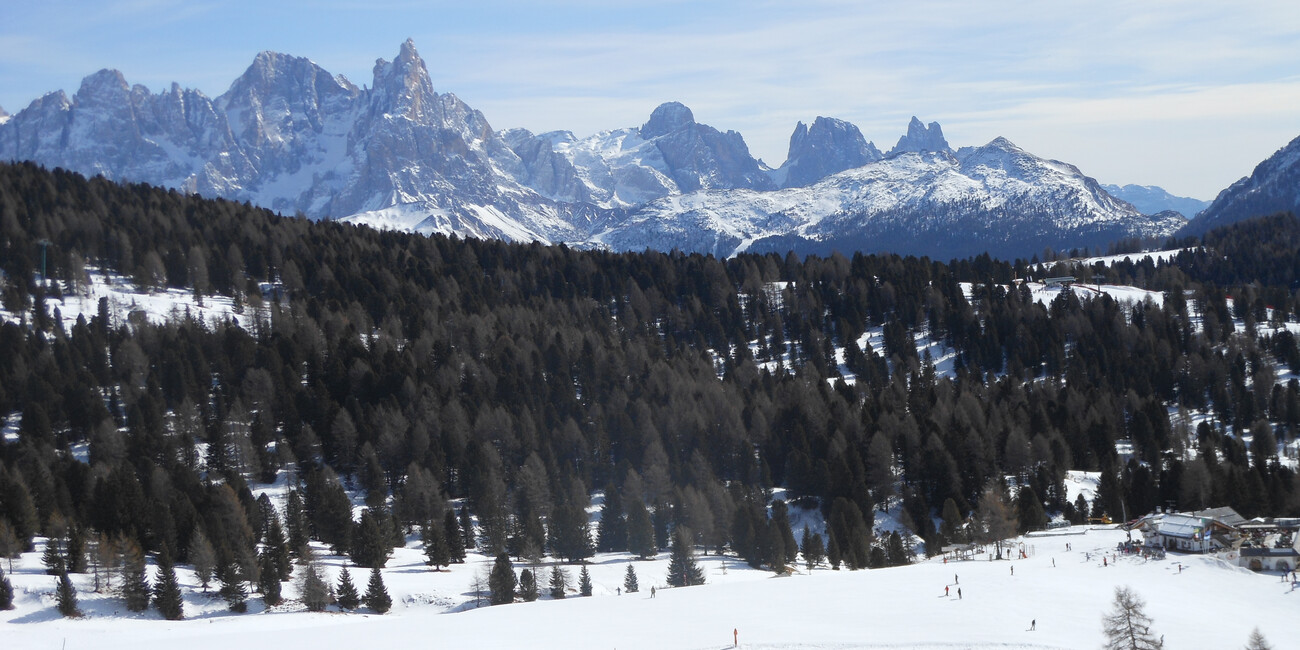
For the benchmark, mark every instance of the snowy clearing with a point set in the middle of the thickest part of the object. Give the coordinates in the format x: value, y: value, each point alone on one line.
x: 1066, y: 592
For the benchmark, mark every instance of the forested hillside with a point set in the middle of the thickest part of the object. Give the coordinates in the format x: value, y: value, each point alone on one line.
x: 523, y: 378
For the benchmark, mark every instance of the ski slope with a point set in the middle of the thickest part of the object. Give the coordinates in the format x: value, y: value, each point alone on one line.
x: 1207, y: 605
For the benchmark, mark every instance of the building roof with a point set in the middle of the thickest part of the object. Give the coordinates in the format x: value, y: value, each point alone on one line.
x: 1184, y: 526
x: 1224, y: 515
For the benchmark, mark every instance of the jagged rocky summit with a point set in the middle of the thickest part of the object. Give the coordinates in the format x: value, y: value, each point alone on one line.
x: 292, y: 137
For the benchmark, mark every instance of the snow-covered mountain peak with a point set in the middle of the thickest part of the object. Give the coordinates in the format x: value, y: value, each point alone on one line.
x: 666, y: 118
x: 919, y: 137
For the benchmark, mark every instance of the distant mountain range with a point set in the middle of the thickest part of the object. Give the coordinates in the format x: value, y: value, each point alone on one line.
x: 1150, y: 199
x: 292, y: 137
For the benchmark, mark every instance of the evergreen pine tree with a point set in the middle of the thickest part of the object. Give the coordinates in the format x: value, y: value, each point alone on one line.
x: 76, y: 549
x: 611, y: 532
x: 1029, y: 511
x: 682, y: 569
x: 6, y: 592
x: 584, y: 582
x: 527, y: 586
x: 781, y: 520
x: 346, y: 593
x: 135, y: 586
x: 277, y: 547
x: 233, y: 589
x: 451, y: 534
x: 66, y: 598
x: 370, y: 546
x: 833, y: 552
x: 814, y: 551
x: 501, y: 582
x: 314, y: 592
x: 559, y: 582
x: 295, y: 520
x: 203, y: 557
x: 640, y: 531
x: 166, y: 590
x: 436, y: 552
x: 268, y: 579
x: 630, y: 584
x: 52, y: 558
x: 377, y: 597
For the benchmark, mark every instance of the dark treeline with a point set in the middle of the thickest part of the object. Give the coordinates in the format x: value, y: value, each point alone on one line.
x: 524, y: 378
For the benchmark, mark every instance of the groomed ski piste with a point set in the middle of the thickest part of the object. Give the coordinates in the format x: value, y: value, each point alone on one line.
x: 1208, y: 604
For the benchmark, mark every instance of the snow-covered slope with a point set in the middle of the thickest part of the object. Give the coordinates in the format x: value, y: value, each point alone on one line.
x: 1273, y: 187
x: 997, y: 198
x: 1206, y: 604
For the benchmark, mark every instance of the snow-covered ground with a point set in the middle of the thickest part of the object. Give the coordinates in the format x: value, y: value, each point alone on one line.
x: 1207, y: 605
x: 124, y: 299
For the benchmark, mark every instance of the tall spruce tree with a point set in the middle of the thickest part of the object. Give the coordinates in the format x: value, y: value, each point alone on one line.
x: 453, y: 536
x: 584, y: 582
x: 370, y: 546
x: 502, y: 582
x: 65, y: 597
x: 559, y: 582
x: 268, y: 580
x: 630, y: 584
x: 314, y: 592
x: 233, y: 590
x: 640, y: 531
x: 203, y: 557
x: 167, y: 590
x: 611, y: 532
x: 135, y: 586
x: 682, y: 568
x: 812, y: 547
x: 376, y: 597
x: 346, y: 593
x: 437, y: 553
x: 277, y: 547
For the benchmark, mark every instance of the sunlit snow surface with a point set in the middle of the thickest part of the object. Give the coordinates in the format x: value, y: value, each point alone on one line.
x: 126, y: 300
x: 1208, y: 605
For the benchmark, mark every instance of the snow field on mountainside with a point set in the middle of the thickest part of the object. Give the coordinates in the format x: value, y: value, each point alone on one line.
x: 1207, y: 604
x: 126, y: 299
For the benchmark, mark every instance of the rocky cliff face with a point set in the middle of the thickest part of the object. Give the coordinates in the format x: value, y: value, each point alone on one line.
x: 827, y: 147
x: 289, y: 136
x: 1274, y: 186
x: 920, y: 138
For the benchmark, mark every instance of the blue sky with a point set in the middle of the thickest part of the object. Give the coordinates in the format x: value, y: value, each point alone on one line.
x: 1186, y: 95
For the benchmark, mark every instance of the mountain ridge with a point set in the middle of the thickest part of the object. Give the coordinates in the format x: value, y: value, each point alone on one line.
x: 290, y: 136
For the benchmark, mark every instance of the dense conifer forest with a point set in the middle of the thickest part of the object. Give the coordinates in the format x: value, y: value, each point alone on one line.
x: 477, y: 393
